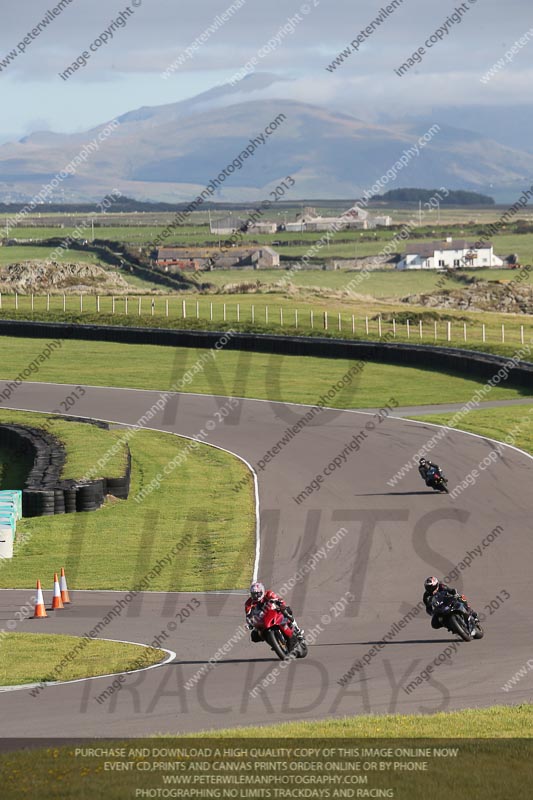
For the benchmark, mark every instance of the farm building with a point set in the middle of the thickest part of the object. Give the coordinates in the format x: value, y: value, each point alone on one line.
x: 172, y: 259
x: 448, y: 255
x: 354, y: 218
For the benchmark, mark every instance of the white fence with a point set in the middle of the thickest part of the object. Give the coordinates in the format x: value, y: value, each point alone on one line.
x: 266, y: 314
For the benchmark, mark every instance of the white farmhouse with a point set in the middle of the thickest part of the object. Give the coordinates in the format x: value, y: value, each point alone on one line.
x: 448, y: 255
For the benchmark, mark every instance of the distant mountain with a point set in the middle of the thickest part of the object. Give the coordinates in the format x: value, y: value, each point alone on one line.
x: 510, y: 125
x: 171, y: 152
x: 453, y: 198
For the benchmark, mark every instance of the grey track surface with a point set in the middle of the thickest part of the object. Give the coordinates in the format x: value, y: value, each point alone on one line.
x: 396, y: 537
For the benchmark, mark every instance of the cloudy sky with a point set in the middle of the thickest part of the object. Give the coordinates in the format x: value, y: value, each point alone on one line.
x: 128, y: 71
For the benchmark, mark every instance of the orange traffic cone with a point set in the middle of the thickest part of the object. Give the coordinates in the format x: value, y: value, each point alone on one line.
x: 40, y: 610
x: 56, y: 599
x: 64, y: 588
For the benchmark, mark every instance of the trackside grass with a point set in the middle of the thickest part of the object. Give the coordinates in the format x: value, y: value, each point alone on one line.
x: 240, y: 374
x: 28, y: 657
x: 510, y: 424
x: 472, y: 723
x: 202, y: 532
x: 482, y: 767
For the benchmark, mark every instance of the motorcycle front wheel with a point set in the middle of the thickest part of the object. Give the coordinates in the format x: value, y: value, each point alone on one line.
x: 301, y: 649
x: 479, y: 633
x: 458, y: 627
x: 277, y: 642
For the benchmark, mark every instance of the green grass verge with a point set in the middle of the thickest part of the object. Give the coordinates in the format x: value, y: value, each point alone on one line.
x: 471, y: 723
x: 117, y: 546
x: 242, y: 374
x: 499, y: 769
x: 84, y: 444
x: 511, y: 424
x: 27, y: 657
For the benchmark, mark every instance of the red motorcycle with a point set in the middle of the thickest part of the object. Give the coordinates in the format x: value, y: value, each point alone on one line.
x: 272, y: 626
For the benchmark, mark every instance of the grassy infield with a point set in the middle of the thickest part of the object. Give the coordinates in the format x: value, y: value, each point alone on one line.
x: 202, y: 485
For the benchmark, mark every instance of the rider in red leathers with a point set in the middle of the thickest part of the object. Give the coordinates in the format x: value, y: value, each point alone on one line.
x: 258, y: 597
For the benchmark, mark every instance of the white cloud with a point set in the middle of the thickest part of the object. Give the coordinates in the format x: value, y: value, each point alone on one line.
x: 126, y: 73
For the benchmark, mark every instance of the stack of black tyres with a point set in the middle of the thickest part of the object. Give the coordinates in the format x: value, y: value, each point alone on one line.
x: 44, y: 493
x: 70, y: 499
x: 89, y: 496
x: 120, y: 487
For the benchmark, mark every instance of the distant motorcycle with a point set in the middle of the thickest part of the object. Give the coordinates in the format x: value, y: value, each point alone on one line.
x: 436, y: 480
x: 272, y: 626
x: 456, y: 617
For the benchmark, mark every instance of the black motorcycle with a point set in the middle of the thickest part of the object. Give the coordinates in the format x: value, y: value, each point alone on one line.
x: 456, y: 617
x: 436, y: 480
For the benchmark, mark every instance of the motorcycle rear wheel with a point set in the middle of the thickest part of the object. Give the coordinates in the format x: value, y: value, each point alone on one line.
x: 458, y: 627
x: 277, y: 642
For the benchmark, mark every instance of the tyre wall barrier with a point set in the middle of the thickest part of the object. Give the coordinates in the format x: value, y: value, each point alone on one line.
x: 44, y: 493
x: 443, y: 359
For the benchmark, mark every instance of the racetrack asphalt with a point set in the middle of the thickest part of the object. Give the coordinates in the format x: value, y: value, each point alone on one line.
x: 395, y: 536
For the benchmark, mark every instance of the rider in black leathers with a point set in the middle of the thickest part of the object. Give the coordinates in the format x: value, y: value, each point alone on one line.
x: 424, y: 467
x: 432, y: 587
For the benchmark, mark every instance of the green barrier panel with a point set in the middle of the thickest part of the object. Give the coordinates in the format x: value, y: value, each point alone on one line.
x: 4, y: 510
x: 15, y: 496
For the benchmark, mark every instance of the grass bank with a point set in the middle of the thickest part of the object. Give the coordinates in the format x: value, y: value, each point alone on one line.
x: 305, y: 311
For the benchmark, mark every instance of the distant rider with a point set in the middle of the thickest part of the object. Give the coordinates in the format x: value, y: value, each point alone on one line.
x: 424, y: 467
x: 433, y: 587
x: 258, y: 597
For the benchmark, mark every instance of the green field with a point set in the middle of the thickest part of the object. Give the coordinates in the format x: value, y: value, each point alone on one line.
x: 15, y: 255
x: 465, y: 223
x: 28, y: 658
x: 240, y: 374
x: 386, y: 283
x: 191, y: 508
